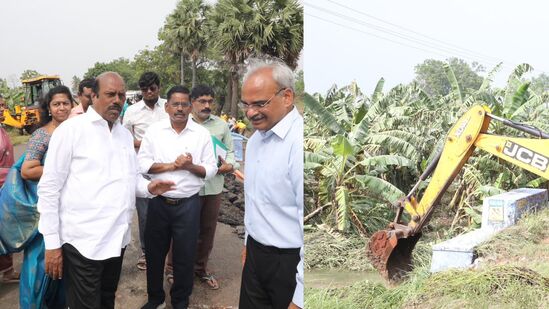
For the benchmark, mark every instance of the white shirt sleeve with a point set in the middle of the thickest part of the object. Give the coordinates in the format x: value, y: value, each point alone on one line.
x: 145, y: 156
x: 141, y: 183
x: 127, y: 121
x: 298, y: 293
x: 208, y: 161
x: 296, y: 177
x: 56, y: 169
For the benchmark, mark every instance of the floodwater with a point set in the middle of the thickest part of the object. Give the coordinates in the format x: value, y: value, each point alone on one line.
x: 336, y: 278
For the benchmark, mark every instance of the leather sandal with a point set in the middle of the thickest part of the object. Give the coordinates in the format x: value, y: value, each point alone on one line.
x: 210, y: 280
x: 142, y: 263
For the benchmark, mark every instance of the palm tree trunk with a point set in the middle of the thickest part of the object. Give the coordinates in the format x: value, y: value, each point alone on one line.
x: 234, y: 94
x: 182, y: 64
x: 194, y: 72
x: 228, y: 98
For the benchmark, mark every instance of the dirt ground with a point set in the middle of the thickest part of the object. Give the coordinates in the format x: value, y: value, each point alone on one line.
x: 132, y: 288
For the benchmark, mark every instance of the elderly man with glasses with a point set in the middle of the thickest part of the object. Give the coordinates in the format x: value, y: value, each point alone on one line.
x: 180, y: 150
x: 137, y: 118
x: 272, y: 276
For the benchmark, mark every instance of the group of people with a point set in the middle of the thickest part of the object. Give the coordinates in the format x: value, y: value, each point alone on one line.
x: 162, y: 159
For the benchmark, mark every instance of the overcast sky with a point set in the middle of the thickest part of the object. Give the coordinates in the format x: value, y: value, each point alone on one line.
x: 348, y: 40
x: 67, y: 37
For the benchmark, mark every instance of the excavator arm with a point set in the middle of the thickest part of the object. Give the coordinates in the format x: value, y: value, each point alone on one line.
x: 390, y: 250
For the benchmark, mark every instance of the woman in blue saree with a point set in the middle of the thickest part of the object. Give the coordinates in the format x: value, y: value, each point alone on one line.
x: 19, y: 194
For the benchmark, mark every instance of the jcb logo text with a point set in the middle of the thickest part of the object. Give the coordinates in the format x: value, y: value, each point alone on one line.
x: 526, y: 155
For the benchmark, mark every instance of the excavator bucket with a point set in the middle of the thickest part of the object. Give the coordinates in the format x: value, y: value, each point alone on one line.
x: 390, y: 251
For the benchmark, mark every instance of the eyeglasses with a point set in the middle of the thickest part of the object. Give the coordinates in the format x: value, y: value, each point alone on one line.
x: 152, y: 88
x: 204, y: 101
x: 182, y: 104
x: 259, y: 104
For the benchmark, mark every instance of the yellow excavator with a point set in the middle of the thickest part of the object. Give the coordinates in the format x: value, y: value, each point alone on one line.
x: 27, y: 114
x: 390, y: 250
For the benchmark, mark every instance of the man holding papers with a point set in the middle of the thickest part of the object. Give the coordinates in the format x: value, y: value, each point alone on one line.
x: 202, y: 98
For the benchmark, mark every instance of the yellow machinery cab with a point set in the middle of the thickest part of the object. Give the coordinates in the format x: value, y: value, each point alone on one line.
x: 26, y: 115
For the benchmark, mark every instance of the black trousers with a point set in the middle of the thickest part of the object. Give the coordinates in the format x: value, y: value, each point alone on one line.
x: 180, y: 222
x: 268, y: 277
x: 90, y: 283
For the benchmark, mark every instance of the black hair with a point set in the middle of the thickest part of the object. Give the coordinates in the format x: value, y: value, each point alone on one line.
x: 148, y: 79
x: 85, y: 83
x: 201, y: 90
x: 95, y: 87
x: 45, y: 115
x: 177, y: 89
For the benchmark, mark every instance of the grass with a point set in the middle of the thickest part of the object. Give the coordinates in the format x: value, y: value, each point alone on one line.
x: 15, y: 137
x: 327, y: 249
x: 513, y: 273
x: 525, y: 244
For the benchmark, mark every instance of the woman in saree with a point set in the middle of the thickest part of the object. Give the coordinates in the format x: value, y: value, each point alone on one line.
x: 35, y: 288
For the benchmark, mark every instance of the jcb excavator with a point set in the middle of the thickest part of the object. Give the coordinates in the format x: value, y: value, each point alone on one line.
x: 27, y: 114
x: 390, y: 250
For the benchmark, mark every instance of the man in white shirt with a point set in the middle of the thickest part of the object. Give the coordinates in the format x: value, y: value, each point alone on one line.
x: 86, y: 197
x: 137, y: 118
x: 180, y: 150
x: 273, y: 269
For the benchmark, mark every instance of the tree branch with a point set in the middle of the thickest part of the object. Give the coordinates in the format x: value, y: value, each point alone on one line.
x: 314, y: 213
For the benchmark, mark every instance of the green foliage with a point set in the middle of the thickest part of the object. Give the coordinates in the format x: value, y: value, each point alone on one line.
x: 122, y: 66
x: 255, y: 27
x: 75, y: 81
x: 185, y: 33
x: 244, y: 28
x: 363, y: 152
x: 432, y: 76
x: 216, y: 39
x: 28, y: 74
x: 12, y: 96
x: 161, y: 61
x: 540, y: 84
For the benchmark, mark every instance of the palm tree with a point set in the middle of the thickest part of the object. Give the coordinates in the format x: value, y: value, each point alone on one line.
x: 185, y: 32
x: 283, y: 30
x: 244, y: 28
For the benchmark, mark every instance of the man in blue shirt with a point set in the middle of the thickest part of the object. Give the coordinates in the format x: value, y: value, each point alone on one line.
x: 273, y: 269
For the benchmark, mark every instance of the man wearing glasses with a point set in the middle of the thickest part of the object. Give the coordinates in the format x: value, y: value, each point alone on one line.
x: 180, y: 150
x: 137, y: 119
x: 84, y: 97
x: 202, y: 98
x: 272, y: 276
